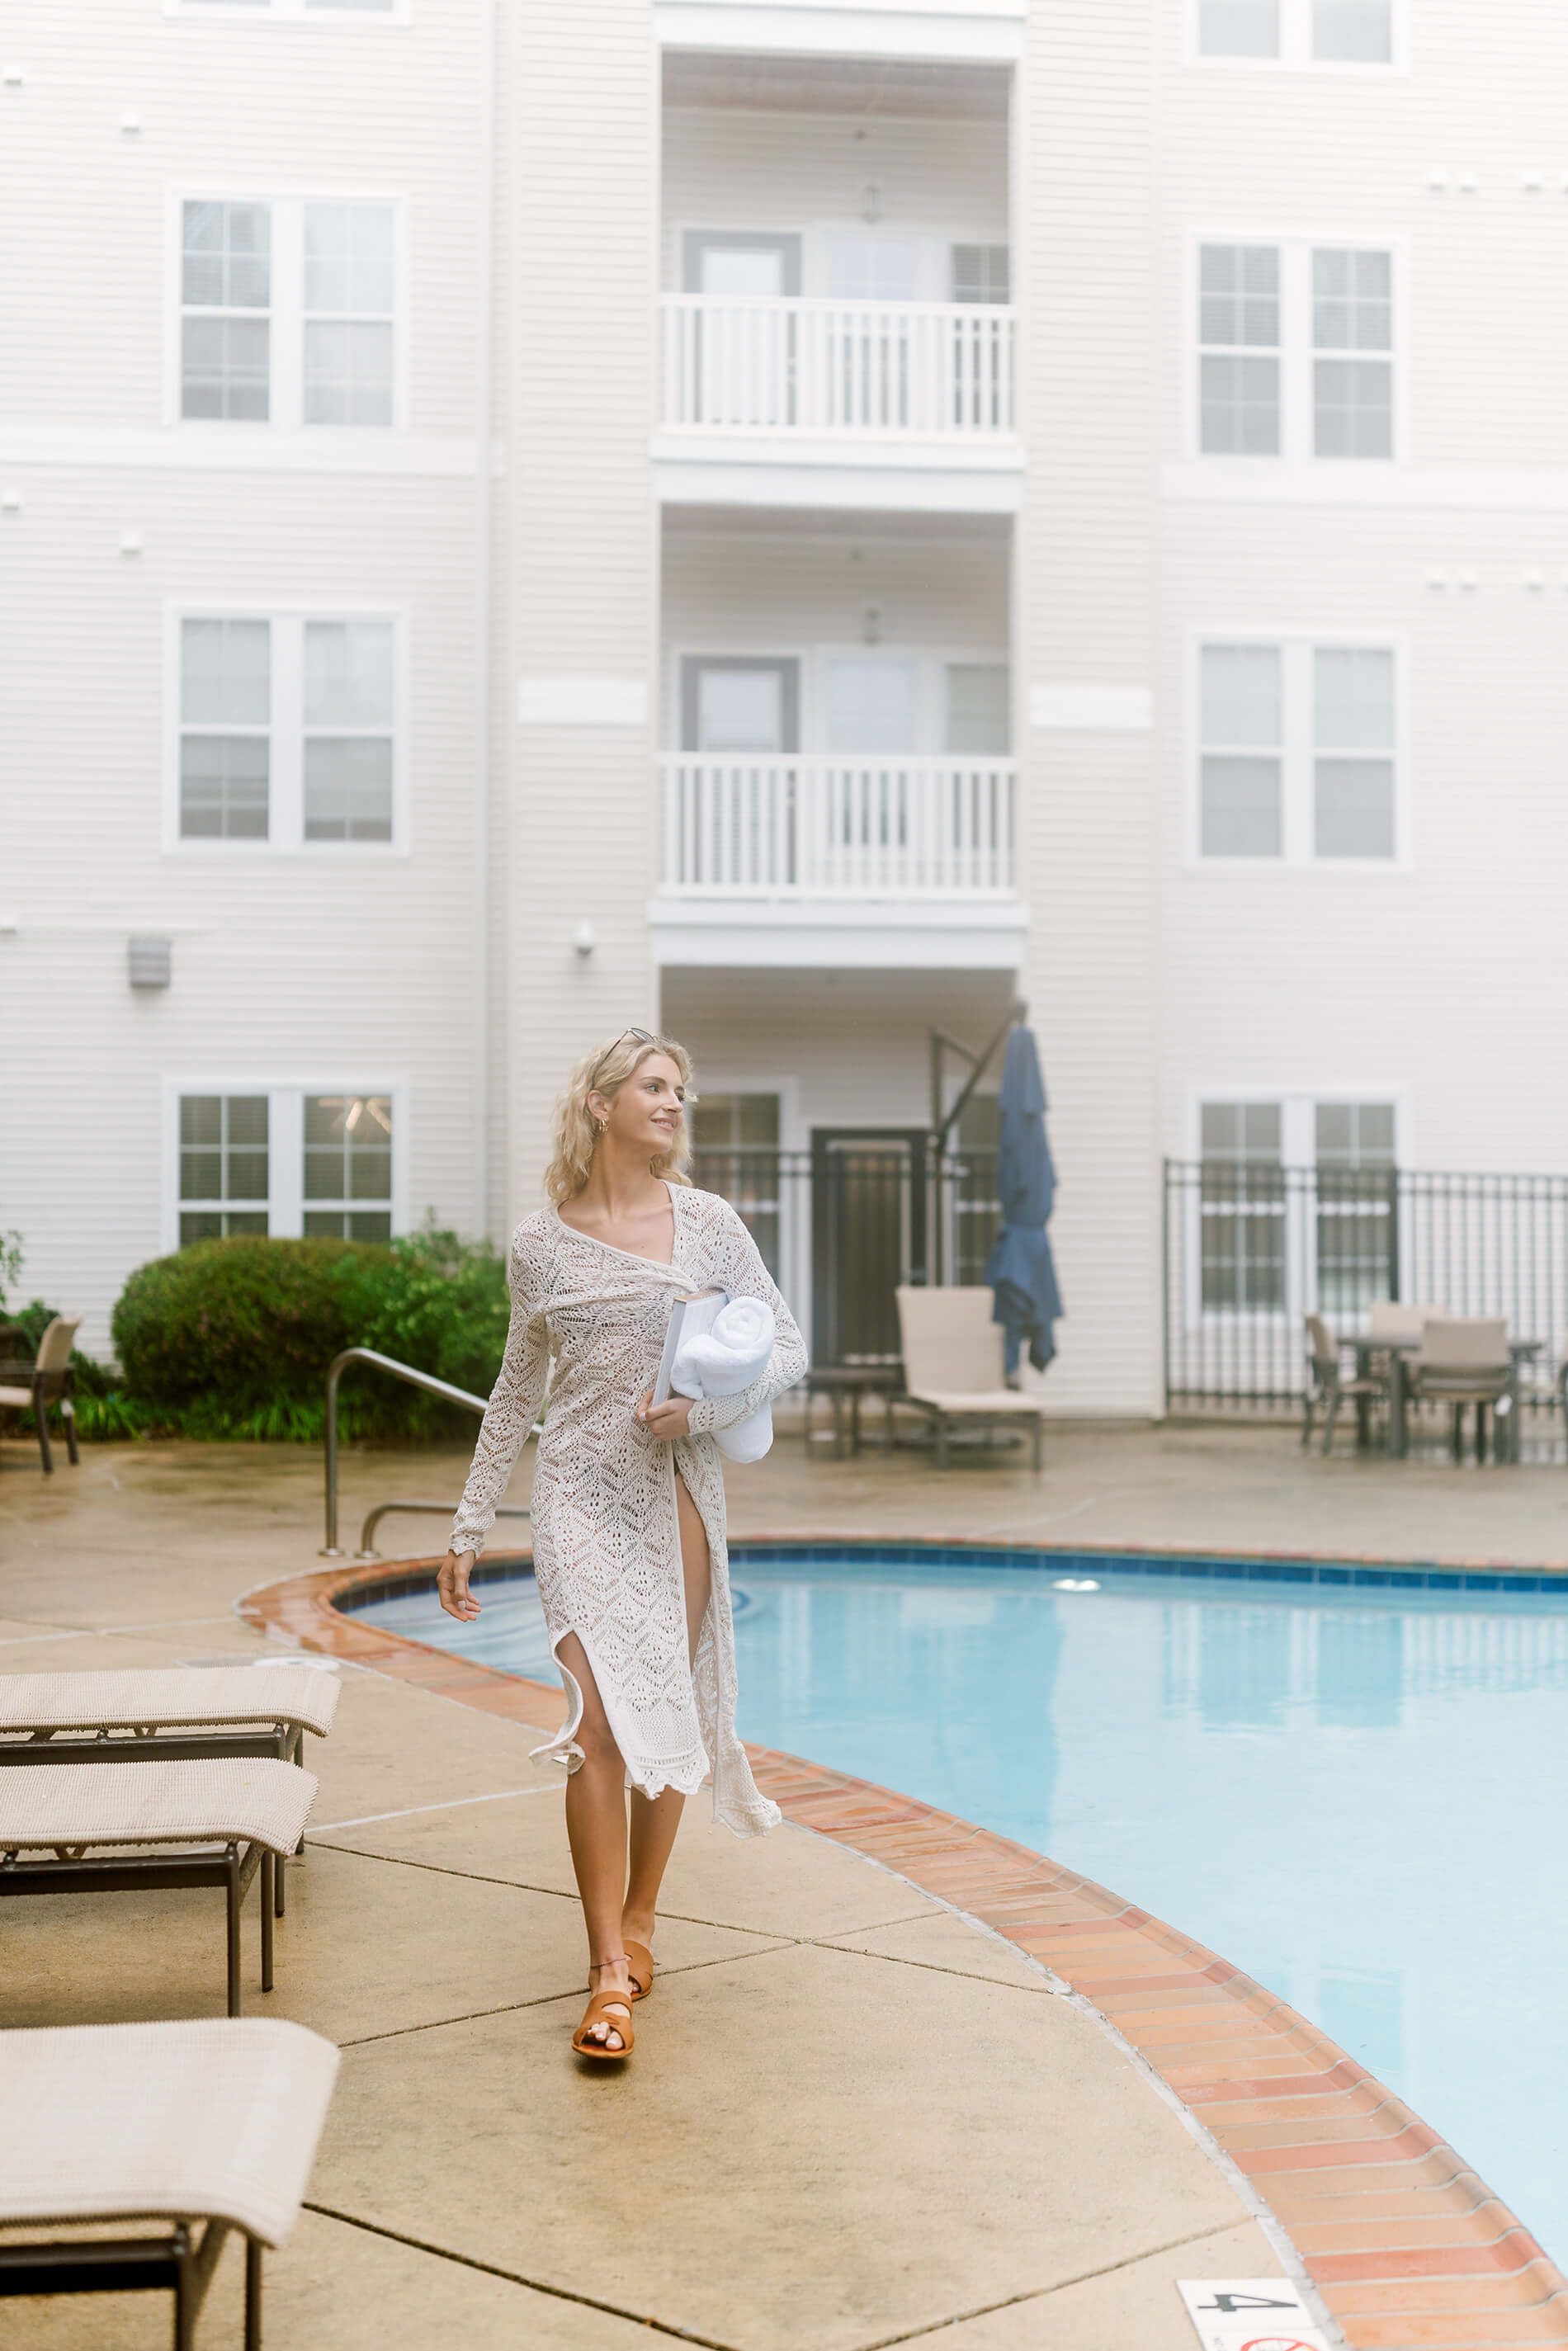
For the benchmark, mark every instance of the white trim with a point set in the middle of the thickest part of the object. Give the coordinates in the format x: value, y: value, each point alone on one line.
x: 1297, y: 751
x: 975, y: 32
x: 860, y: 933
x: 1296, y: 353
x: 286, y: 837
x: 1092, y: 709
x: 1295, y: 51
x: 1269, y: 481
x: 285, y: 1165
x: 289, y: 12
x: 209, y: 447
x: 569, y: 699
x: 894, y: 477
x: 286, y: 311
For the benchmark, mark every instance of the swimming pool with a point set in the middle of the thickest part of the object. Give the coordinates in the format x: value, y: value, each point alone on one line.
x: 1349, y: 1781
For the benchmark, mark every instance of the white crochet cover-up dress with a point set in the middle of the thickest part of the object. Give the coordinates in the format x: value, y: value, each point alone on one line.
x: 606, y: 1537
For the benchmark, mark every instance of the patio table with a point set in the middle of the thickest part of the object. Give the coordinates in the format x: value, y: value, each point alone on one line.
x: 844, y: 1385
x: 1521, y: 1350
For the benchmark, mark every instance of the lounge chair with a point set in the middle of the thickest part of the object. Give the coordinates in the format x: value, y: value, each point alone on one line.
x: 1329, y: 1387
x: 166, y: 1715
x: 207, y: 2123
x: 1461, y: 1363
x: 954, y: 1372
x: 217, y: 1823
x: 51, y: 1381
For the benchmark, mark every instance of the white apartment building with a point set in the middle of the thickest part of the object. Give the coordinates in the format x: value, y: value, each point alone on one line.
x: 799, y: 521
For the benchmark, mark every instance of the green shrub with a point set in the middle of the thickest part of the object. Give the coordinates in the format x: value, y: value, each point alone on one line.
x: 232, y: 1338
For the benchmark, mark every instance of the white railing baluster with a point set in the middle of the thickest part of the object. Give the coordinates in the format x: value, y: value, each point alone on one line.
x: 862, y: 826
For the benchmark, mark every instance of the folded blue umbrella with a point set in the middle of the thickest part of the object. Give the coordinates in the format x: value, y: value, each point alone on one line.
x: 1020, y: 1269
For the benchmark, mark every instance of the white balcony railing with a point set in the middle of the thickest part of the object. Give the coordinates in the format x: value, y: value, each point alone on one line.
x: 783, y: 365
x: 843, y: 826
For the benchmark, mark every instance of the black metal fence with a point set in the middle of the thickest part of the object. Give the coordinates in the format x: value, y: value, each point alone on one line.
x: 842, y: 1224
x: 1250, y: 1248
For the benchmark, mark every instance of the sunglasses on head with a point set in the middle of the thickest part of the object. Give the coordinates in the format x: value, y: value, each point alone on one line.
x: 640, y: 1036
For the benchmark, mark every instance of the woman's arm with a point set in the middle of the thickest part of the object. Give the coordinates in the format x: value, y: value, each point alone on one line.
x: 504, y: 1431
x: 739, y: 1267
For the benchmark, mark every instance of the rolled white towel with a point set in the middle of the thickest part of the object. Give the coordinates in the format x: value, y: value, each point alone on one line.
x: 724, y: 1360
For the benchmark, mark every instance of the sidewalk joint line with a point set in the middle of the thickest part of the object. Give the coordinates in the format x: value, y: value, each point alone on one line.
x: 1043, y: 2292
x: 515, y: 2277
x: 447, y: 1804
x: 544, y: 2000
x: 931, y: 1966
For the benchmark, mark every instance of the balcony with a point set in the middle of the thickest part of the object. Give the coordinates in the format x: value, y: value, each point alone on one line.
x: 779, y: 366
x: 795, y: 860
x: 907, y: 404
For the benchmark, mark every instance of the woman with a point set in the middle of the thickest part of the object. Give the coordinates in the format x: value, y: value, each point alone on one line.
x: 628, y: 1500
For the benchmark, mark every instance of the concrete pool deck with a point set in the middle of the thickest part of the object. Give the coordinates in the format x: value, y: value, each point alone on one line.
x: 854, y: 2119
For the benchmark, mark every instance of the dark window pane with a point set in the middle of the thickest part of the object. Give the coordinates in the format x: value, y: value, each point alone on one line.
x: 200, y: 1224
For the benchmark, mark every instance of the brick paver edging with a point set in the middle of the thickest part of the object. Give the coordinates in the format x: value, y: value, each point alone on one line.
x: 1409, y: 2248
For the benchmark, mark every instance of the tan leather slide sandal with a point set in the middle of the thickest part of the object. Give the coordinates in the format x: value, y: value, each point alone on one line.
x: 611, y: 2008
x: 640, y: 1960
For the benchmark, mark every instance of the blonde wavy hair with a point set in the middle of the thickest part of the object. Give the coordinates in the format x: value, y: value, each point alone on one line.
x: 605, y: 1070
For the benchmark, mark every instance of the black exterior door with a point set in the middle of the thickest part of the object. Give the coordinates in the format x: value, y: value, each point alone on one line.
x: 869, y: 1225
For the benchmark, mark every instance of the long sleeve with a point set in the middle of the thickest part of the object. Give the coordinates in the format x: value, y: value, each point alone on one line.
x: 738, y: 1266
x: 514, y: 1399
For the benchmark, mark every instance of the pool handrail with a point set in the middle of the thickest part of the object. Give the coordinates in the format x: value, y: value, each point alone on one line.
x: 438, y: 1510
x: 415, y: 1379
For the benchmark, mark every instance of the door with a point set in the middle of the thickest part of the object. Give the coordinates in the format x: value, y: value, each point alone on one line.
x: 740, y: 703
x: 873, y: 361
x: 868, y: 1235
x: 737, y: 819
x: 743, y: 350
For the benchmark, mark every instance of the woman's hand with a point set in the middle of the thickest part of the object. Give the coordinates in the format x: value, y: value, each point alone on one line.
x: 666, y: 1420
x: 452, y: 1583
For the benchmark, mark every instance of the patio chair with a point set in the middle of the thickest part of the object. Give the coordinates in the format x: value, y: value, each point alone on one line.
x: 164, y: 1715
x: 1328, y: 1387
x: 1461, y: 1363
x: 1392, y: 1317
x: 217, y: 1823
x: 52, y: 1378
x: 954, y: 1372
x: 209, y: 2123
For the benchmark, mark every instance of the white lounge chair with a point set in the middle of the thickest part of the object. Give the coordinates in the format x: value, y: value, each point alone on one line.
x: 208, y: 2123
x: 954, y: 1366
x: 51, y: 1379
x: 161, y: 1715
x: 123, y: 1827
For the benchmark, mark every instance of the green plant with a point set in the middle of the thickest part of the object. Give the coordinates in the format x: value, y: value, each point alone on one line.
x: 11, y: 1254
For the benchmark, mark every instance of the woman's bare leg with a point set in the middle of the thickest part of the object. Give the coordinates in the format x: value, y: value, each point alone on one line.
x: 596, y: 1830
x: 654, y: 1820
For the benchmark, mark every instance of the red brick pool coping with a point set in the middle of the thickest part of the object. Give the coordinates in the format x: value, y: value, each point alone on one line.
x: 1409, y: 2250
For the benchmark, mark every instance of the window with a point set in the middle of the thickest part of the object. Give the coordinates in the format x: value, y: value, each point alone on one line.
x: 226, y: 729
x: 287, y: 313
x: 347, y: 314
x: 347, y: 730
x: 981, y: 273
x: 225, y: 298
x: 1242, y: 1206
x: 1295, y: 351
x: 1353, y: 752
x: 287, y: 728
x: 1298, y: 752
x: 1357, y: 1231
x: 979, y: 715
x: 1298, y: 32
x: 735, y: 1140
x: 347, y: 1162
x: 223, y: 1165
x: 287, y: 1160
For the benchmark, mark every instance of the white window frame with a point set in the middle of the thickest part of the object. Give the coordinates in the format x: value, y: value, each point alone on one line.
x: 1295, y: 54
x: 286, y: 12
x: 1298, y: 1148
x: 285, y: 404
x: 1297, y: 746
x: 1298, y: 353
x: 285, y: 1140
x: 286, y: 788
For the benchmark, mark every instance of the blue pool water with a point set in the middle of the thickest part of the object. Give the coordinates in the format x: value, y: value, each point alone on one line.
x: 1353, y: 1789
